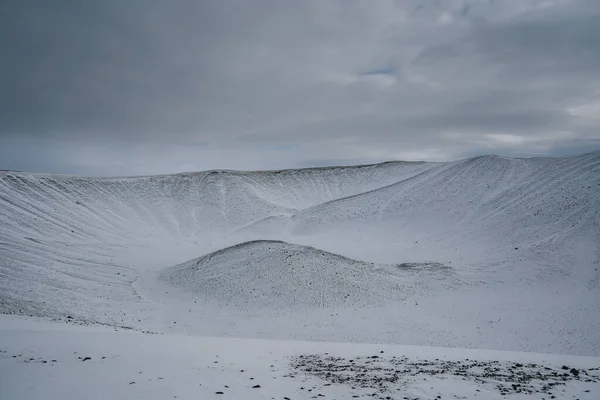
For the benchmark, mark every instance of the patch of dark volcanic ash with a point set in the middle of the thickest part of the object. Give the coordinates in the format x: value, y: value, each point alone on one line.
x: 387, y: 375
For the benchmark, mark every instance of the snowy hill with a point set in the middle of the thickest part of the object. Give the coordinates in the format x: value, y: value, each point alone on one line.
x: 272, y: 274
x: 517, y: 239
x: 481, y: 208
x: 61, y: 233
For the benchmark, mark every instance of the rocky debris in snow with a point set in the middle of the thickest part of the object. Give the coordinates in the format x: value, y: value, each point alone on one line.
x: 386, y: 375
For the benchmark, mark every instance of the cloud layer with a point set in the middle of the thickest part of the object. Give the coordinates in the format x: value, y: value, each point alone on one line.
x: 149, y: 86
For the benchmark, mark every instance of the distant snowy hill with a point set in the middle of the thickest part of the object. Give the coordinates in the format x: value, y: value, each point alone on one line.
x: 518, y: 240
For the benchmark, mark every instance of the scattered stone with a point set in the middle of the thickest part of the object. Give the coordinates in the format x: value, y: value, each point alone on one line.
x: 256, y: 387
x: 387, y: 375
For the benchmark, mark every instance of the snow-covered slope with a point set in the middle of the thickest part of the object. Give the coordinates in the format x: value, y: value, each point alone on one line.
x: 479, y: 209
x: 518, y: 239
x: 274, y: 274
x: 73, y: 236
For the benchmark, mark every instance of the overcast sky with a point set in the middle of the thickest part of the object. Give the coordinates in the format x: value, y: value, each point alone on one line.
x: 127, y: 87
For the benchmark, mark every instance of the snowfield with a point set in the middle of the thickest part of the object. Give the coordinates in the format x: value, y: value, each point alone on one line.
x: 40, y: 360
x: 485, y: 253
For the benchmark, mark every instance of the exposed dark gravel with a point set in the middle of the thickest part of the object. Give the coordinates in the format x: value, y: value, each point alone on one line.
x: 387, y: 375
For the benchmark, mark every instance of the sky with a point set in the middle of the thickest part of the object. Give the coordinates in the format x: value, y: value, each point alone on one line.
x: 139, y: 87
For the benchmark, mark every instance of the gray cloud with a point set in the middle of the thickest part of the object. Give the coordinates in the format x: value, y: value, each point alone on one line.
x: 112, y: 87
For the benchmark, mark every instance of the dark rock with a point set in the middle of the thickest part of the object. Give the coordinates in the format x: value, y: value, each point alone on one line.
x: 86, y: 358
x: 256, y: 387
x: 218, y: 392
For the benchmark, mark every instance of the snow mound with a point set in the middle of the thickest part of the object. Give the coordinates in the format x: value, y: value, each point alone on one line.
x: 276, y: 274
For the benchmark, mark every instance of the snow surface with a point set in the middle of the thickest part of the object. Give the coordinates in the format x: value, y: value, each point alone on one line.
x: 488, y: 252
x: 41, y: 360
